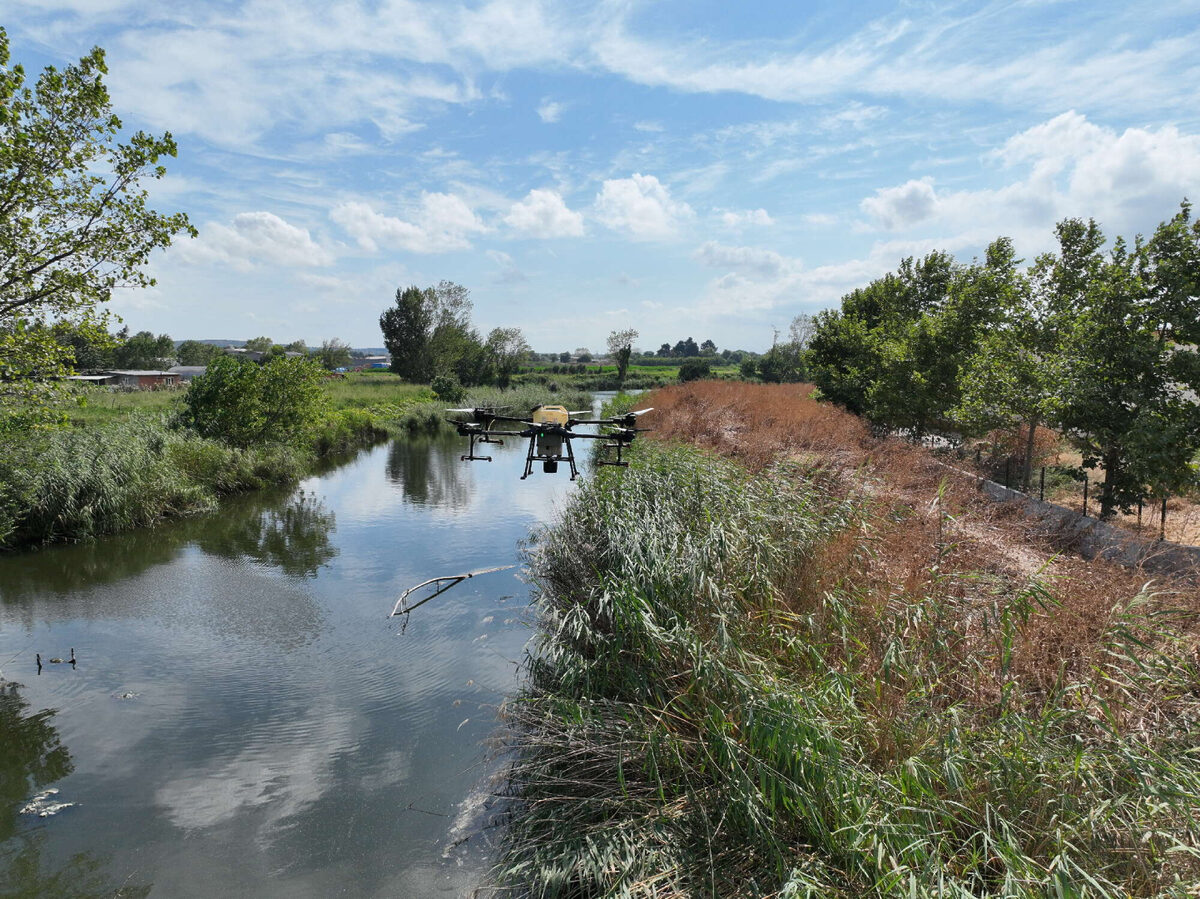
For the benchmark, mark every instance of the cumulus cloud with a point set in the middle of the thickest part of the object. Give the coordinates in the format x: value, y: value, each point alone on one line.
x: 899, y: 207
x: 544, y: 214
x: 444, y: 222
x: 1067, y: 166
x: 642, y: 206
x: 746, y: 260
x: 741, y: 219
x: 254, y: 238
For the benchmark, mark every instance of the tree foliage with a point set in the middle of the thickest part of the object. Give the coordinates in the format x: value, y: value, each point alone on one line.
x: 74, y: 220
x: 243, y: 403
x: 1101, y: 345
x: 145, y: 351
x: 620, y: 347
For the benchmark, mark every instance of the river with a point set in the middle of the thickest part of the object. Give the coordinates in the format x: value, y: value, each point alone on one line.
x: 243, y: 719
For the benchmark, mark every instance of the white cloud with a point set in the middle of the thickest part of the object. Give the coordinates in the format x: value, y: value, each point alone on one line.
x: 444, y: 222
x: 544, y: 214
x: 899, y: 207
x: 254, y: 238
x: 506, y: 270
x: 642, y: 206
x: 735, y: 219
x: 550, y: 111
x: 749, y: 260
x: 1065, y: 167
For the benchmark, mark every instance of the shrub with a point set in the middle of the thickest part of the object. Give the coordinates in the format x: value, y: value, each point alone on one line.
x: 448, y: 389
x: 695, y: 370
x: 243, y: 403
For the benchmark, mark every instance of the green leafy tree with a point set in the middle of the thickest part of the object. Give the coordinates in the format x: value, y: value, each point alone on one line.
x: 243, y: 403
x: 89, y: 341
x: 708, y: 348
x: 686, y: 348
x: 145, y: 351
x: 664, y: 350
x: 260, y: 344
x: 695, y: 370
x: 406, y: 330
x: 74, y: 220
x: 333, y: 354
x: 507, y: 348
x: 1132, y: 375
x: 193, y: 352
x: 620, y: 347
x: 297, y: 346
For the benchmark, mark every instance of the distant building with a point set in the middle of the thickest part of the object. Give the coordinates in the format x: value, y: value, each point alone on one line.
x: 187, y: 372
x: 142, y: 378
x: 94, y: 380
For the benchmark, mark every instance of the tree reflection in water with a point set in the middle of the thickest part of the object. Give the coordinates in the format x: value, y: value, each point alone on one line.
x: 286, y: 528
x: 429, y: 472
x: 293, y: 538
x: 31, y: 758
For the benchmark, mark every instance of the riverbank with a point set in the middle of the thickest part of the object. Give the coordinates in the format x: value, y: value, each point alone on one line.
x: 791, y: 659
x: 133, y: 464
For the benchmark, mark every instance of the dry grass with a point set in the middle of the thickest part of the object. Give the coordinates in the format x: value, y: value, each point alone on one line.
x: 925, y: 519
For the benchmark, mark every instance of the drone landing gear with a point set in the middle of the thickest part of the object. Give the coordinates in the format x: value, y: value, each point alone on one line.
x: 482, y: 438
x: 549, y: 460
x: 617, y: 461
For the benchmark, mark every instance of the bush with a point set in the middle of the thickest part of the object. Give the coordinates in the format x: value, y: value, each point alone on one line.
x: 695, y: 370
x: 243, y: 403
x: 448, y: 389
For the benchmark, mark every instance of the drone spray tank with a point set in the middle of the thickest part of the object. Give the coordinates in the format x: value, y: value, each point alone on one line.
x: 549, y: 444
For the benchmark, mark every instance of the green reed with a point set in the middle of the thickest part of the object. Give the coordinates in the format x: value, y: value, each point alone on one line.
x: 703, y: 718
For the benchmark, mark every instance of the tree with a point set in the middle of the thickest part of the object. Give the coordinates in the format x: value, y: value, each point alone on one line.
x: 507, y: 349
x: 242, y: 403
x: 1132, y: 372
x: 664, y: 350
x: 333, y: 354
x: 194, y: 352
x: 74, y: 221
x: 687, y: 348
x: 708, y: 348
x: 428, y: 332
x: 406, y: 329
x: 564, y: 357
x: 260, y: 344
x: 297, y: 346
x: 89, y: 341
x: 620, y: 347
x: 145, y: 351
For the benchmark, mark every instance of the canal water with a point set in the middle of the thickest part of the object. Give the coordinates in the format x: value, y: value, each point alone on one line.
x: 242, y: 718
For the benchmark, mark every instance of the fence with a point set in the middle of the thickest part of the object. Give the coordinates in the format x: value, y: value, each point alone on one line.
x: 1149, y: 508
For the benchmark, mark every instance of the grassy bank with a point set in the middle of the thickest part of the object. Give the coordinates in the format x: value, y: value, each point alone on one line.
x: 126, y: 462
x: 76, y: 483
x: 785, y: 676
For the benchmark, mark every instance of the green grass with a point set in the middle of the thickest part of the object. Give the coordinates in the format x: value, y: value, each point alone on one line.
x: 723, y: 704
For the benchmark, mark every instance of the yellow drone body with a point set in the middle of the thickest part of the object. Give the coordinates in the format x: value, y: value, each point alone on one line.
x: 551, y: 415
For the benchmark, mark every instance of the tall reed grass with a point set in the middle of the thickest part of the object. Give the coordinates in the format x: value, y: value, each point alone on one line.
x: 732, y: 697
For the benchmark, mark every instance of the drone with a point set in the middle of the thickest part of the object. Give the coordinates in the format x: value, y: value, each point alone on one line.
x: 549, y: 431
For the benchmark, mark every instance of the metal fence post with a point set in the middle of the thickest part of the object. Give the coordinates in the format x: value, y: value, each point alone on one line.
x: 1085, y: 483
x: 1042, y: 484
x: 1162, y: 527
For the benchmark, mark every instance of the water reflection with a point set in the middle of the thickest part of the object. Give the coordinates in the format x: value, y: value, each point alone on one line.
x: 429, y: 472
x: 286, y: 528
x: 32, y: 757
x: 293, y: 537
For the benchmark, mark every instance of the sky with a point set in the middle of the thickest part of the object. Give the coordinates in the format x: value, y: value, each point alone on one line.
x: 687, y: 168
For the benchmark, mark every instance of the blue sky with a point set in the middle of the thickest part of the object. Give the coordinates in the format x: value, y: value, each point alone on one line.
x: 701, y: 168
